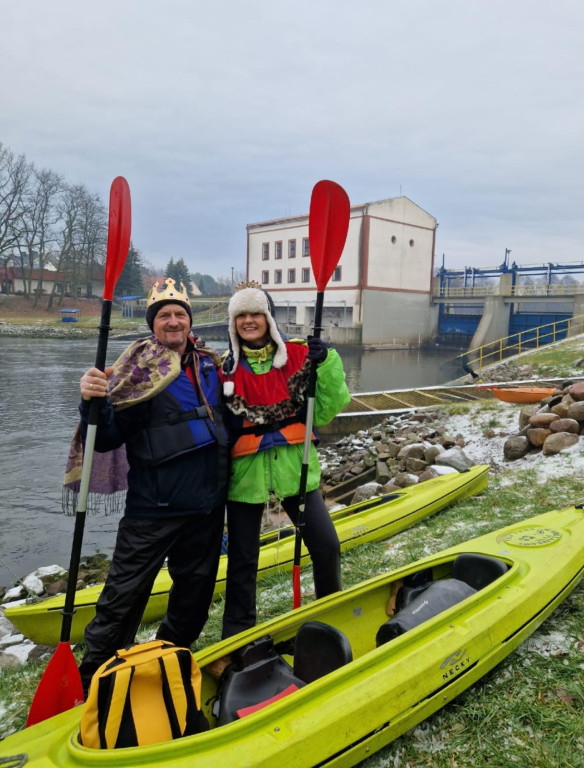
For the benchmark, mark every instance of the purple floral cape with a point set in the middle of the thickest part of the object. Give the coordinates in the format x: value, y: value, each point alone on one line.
x: 142, y: 371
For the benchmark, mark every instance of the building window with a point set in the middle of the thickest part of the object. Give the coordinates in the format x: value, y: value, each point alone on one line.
x: 337, y: 274
x: 265, y: 251
x: 305, y: 247
x: 291, y: 249
x: 265, y: 277
x: 277, y: 275
x: 291, y: 275
x: 411, y: 243
x: 306, y: 274
x: 278, y: 249
x: 394, y: 239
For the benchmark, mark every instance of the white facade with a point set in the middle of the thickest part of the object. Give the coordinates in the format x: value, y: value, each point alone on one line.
x: 382, y: 287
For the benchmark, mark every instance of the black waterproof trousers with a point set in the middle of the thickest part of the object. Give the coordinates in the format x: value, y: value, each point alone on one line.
x: 193, y: 545
x: 243, y: 548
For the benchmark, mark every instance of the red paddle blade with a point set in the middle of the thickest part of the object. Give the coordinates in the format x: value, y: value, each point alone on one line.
x: 60, y: 687
x: 118, y: 234
x: 328, y: 224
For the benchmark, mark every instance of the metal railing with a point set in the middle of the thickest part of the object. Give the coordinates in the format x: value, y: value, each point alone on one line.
x: 523, y: 341
x: 479, y: 291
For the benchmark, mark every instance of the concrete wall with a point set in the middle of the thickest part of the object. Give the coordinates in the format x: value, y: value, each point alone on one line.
x: 389, y: 315
x: 401, y: 243
x: 494, y: 323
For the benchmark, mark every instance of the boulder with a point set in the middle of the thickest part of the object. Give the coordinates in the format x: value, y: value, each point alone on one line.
x: 576, y: 411
x: 431, y: 453
x: 577, y: 391
x: 456, y: 458
x: 537, y: 436
x: 405, y: 479
x: 526, y: 413
x: 542, y: 420
x: 516, y: 447
x: 560, y: 441
x: 565, y: 425
x: 33, y: 584
x: 364, y: 492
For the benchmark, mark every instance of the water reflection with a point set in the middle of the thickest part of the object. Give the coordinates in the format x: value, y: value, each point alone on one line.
x: 370, y: 371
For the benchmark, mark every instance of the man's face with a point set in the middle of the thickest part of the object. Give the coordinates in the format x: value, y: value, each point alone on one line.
x: 171, y: 327
x: 253, y: 328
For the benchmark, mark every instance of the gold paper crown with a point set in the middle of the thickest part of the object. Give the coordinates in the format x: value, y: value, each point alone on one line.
x: 248, y: 284
x: 169, y: 293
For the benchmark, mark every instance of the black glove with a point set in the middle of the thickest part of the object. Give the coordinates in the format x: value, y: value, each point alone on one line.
x: 317, y: 349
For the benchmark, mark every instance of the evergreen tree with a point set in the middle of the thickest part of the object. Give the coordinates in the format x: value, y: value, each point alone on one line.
x: 130, y: 281
x: 182, y: 275
x: 206, y: 284
x: 170, y: 270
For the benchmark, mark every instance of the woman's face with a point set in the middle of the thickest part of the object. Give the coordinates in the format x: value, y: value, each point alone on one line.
x: 253, y: 328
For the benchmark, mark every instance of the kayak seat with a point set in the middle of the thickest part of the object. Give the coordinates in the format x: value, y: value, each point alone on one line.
x: 319, y: 649
x: 478, y: 570
x: 413, y: 585
x: 255, y: 678
x: 470, y: 572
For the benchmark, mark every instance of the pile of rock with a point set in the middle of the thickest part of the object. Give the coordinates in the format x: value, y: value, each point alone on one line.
x: 551, y: 426
x: 403, y: 450
x: 44, y: 582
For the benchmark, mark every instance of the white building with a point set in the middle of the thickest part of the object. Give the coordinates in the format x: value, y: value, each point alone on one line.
x: 381, y: 288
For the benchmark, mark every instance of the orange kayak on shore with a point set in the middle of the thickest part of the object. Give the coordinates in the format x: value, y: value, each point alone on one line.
x: 522, y: 394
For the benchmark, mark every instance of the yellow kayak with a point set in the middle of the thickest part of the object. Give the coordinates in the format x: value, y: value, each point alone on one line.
x: 410, y: 641
x: 371, y: 520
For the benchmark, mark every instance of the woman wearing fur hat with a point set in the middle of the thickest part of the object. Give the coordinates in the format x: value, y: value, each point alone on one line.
x: 265, y: 384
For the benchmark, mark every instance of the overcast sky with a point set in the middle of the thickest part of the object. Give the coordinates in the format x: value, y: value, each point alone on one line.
x: 227, y: 113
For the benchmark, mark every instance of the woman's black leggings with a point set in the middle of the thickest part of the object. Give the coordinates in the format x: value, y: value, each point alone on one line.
x: 243, y: 528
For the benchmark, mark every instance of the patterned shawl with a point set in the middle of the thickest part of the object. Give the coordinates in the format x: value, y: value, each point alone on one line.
x: 142, y: 371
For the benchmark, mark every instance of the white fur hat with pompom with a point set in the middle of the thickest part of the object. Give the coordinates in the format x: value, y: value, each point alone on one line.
x: 252, y: 300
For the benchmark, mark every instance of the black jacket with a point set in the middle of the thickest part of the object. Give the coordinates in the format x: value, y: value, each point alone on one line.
x: 192, y: 481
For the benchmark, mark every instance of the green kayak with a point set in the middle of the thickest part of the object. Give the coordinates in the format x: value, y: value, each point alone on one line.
x: 371, y: 520
x: 382, y: 656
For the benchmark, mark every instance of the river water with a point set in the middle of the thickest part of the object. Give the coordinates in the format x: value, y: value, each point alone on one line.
x: 39, y: 394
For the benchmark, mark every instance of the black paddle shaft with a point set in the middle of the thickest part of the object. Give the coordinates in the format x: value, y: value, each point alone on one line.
x: 80, y: 514
x: 309, y: 419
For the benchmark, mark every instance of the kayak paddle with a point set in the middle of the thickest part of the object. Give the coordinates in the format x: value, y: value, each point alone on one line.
x: 60, y: 686
x: 328, y: 224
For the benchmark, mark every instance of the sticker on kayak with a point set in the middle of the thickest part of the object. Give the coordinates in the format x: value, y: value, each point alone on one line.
x: 530, y: 537
x: 457, y: 662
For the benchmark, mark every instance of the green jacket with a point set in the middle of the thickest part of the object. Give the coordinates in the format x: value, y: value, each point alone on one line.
x: 278, y: 469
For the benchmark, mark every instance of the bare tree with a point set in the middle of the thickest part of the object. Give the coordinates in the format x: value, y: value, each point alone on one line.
x: 81, y: 241
x: 69, y: 213
x: 92, y: 240
x: 38, y: 225
x: 14, y: 177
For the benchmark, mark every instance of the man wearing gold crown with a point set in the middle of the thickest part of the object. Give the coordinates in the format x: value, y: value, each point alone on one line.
x: 162, y: 401
x: 265, y: 389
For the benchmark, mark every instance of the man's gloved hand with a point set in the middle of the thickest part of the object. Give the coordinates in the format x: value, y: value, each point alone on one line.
x: 317, y: 349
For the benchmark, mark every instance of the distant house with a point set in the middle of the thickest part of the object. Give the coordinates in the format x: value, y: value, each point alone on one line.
x: 382, y: 286
x: 15, y: 280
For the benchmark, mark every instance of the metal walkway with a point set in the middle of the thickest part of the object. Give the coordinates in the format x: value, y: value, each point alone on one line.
x: 364, y: 403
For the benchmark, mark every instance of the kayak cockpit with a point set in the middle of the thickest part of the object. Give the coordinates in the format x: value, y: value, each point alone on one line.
x: 258, y: 675
x: 420, y: 598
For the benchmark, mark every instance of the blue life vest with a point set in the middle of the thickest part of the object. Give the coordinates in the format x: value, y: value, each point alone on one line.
x: 179, y: 422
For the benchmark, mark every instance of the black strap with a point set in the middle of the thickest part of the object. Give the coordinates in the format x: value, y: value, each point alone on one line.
x: 200, y: 412
x: 175, y: 728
